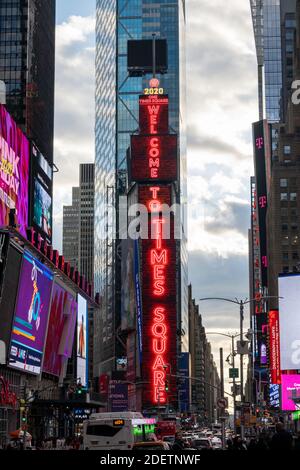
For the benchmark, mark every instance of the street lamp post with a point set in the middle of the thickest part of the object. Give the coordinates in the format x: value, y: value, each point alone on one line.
x: 241, y: 304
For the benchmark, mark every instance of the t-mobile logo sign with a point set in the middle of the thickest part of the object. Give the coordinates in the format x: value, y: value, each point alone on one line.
x: 259, y: 143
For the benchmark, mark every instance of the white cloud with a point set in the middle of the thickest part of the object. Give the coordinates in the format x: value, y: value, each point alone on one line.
x: 74, y: 109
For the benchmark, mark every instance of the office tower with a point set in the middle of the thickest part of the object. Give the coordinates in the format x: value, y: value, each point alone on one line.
x: 86, y: 219
x: 27, y: 59
x: 71, y: 224
x: 116, y: 120
x: 273, y: 22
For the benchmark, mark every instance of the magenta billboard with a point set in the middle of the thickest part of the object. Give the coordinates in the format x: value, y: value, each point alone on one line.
x: 31, y: 315
x: 14, y: 172
x: 61, y: 330
x: 290, y: 392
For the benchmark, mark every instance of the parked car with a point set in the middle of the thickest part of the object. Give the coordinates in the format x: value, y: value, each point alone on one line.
x: 202, y: 444
x: 169, y: 439
x: 151, y: 445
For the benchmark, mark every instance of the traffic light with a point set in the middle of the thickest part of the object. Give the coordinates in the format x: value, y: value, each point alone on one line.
x: 166, y: 386
x: 79, y: 389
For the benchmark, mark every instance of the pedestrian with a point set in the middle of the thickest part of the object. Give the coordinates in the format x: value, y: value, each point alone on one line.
x: 178, y: 444
x: 282, y: 439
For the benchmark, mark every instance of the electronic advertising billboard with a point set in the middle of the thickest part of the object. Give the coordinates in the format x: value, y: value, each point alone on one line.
x: 274, y: 345
x: 41, y: 194
x: 289, y: 321
x: 31, y: 315
x: 61, y: 330
x: 82, y: 346
x: 261, y: 144
x: 153, y: 158
x: 290, y: 389
x: 128, y: 305
x: 14, y: 172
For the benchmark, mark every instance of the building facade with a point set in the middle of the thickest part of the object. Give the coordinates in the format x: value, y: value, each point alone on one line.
x: 71, y: 229
x: 27, y: 63
x: 116, y: 119
x: 206, y: 388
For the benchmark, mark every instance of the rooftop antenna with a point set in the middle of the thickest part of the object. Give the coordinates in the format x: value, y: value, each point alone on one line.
x: 154, y: 82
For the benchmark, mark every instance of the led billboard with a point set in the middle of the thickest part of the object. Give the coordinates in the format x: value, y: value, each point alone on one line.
x: 154, y: 114
x: 31, y: 315
x: 153, y: 158
x: 82, y: 346
x: 61, y: 329
x: 42, y: 209
x: 14, y: 172
x: 289, y: 321
x: 290, y: 399
x: 274, y: 345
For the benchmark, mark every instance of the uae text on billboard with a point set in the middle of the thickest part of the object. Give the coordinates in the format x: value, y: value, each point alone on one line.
x: 31, y: 315
x: 289, y: 321
x: 14, y: 172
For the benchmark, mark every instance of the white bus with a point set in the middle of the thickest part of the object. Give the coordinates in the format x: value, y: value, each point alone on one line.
x: 108, y: 431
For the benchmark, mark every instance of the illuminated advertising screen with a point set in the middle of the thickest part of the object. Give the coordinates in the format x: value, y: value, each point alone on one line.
x: 289, y: 321
x: 159, y: 312
x: 262, y: 359
x: 153, y: 158
x: 42, y: 209
x: 31, y: 315
x: 154, y: 114
x: 274, y: 395
x: 274, y: 345
x: 128, y: 306
x: 290, y: 400
x: 14, y: 172
x: 61, y: 330
x: 261, y: 144
x: 82, y: 346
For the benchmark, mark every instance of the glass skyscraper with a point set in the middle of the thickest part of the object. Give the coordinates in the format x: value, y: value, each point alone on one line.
x: 116, y: 119
x: 270, y: 17
x: 27, y: 61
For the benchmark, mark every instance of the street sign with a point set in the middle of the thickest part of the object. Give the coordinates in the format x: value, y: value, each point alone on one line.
x: 242, y: 347
x: 233, y: 373
x: 222, y: 403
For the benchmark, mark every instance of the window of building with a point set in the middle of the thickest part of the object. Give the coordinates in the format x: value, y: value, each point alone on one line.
x: 283, y: 196
x: 293, y: 196
x: 295, y: 256
x: 285, y: 269
x: 294, y: 212
x: 295, y: 240
x: 287, y: 150
x: 294, y: 227
x: 285, y: 240
x: 283, y: 182
x: 285, y: 256
x: 284, y: 227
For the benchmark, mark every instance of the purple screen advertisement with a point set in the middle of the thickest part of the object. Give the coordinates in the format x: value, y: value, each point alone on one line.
x: 31, y: 315
x: 14, y: 171
x: 290, y: 392
x: 61, y: 330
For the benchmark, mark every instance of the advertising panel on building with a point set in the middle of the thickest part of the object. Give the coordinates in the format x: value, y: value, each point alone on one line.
x: 82, y: 346
x: 128, y: 307
x: 14, y: 172
x: 41, y: 194
x: 290, y: 392
x: 61, y: 330
x: 154, y: 160
x: 31, y: 315
x: 289, y: 321
x: 274, y: 347
x: 261, y: 142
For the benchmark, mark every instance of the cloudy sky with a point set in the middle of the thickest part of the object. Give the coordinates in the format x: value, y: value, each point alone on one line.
x: 222, y: 104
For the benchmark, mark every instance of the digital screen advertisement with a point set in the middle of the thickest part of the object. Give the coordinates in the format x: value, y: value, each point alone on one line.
x: 61, y: 330
x: 31, y: 315
x: 290, y: 392
x: 42, y: 209
x: 14, y: 172
x: 289, y: 321
x: 154, y: 157
x: 82, y: 341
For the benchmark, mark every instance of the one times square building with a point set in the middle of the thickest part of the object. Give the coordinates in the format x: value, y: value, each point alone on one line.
x: 27, y: 61
x: 117, y: 118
